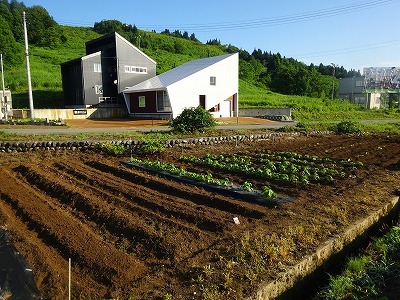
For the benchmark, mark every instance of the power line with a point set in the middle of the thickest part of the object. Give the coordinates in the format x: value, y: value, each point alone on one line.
x: 282, y: 20
x: 366, y: 47
x: 256, y: 23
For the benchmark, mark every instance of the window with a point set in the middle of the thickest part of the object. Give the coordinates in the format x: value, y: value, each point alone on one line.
x: 359, y: 100
x: 359, y: 83
x: 213, y: 80
x: 98, y: 89
x: 135, y: 69
x: 97, y: 68
x: 163, y: 103
x: 142, y: 101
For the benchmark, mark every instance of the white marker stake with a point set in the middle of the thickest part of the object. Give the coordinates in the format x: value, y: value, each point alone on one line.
x: 69, y: 278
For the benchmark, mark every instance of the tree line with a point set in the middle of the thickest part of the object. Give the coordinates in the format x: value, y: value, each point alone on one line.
x: 40, y: 25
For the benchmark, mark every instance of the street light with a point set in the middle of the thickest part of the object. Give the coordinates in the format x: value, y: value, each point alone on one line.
x: 333, y: 79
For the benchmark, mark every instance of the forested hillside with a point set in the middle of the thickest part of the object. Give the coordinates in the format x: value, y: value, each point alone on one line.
x: 51, y: 44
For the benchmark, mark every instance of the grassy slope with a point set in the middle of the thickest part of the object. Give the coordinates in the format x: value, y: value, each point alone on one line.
x: 47, y: 86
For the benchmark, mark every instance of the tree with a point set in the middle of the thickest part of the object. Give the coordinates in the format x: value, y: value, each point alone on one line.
x: 11, y: 50
x: 39, y: 25
x: 108, y: 26
x: 193, y: 119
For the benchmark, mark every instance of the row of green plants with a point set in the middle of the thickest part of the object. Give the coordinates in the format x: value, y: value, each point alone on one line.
x: 202, y: 177
x: 366, y: 276
x: 280, y: 167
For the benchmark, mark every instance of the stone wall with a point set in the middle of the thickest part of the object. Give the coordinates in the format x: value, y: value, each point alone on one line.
x: 10, y: 147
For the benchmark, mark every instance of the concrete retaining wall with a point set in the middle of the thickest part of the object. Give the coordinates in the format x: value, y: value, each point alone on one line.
x: 77, y: 113
x: 326, y: 256
x: 260, y: 112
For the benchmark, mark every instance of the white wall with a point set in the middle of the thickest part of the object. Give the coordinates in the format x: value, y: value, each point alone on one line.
x: 185, y: 93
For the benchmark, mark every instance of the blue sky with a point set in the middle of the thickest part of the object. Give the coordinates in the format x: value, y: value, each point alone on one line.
x: 349, y: 33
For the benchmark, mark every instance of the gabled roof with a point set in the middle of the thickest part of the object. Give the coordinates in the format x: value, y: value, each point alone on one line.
x: 163, y: 80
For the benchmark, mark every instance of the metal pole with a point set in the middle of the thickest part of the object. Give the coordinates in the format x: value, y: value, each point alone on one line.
x: 4, y: 89
x: 28, y: 69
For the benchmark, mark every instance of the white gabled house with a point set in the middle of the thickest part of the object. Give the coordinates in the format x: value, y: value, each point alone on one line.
x: 211, y: 82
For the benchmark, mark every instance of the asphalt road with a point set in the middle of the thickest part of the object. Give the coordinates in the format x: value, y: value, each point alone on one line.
x: 25, y: 130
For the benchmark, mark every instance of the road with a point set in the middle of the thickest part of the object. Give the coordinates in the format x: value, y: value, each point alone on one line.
x: 117, y: 126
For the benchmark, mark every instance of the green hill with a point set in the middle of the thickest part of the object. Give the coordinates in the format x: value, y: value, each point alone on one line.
x: 266, y: 79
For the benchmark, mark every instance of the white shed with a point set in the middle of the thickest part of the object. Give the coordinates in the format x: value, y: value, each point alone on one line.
x: 211, y: 82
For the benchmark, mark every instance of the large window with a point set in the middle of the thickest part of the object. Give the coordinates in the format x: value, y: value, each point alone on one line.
x: 359, y: 82
x: 163, y: 103
x: 142, y: 101
x: 97, y: 68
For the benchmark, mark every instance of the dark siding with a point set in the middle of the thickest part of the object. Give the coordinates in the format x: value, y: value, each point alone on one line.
x: 101, y: 44
x: 71, y: 74
x: 115, y: 54
x: 151, y: 103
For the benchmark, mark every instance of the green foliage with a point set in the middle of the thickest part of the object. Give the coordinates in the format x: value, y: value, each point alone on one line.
x: 192, y: 120
x: 365, y: 276
x: 247, y: 186
x: 11, y: 50
x: 152, y: 146
x: 114, y: 149
x: 268, y: 192
x: 347, y: 127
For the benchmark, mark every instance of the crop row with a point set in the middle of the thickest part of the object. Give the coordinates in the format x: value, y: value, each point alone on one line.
x: 202, y: 177
x: 286, y: 167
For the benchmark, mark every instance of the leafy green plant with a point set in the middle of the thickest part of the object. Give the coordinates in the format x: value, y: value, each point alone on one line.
x: 348, y: 127
x: 152, y: 146
x: 268, y: 192
x: 193, y: 119
x: 114, y: 149
x: 247, y: 186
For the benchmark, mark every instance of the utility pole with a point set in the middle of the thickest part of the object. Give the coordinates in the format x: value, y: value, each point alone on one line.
x: 4, y: 89
x: 28, y: 70
x: 333, y: 79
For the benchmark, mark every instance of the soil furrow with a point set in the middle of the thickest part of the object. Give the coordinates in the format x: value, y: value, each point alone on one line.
x: 74, y: 239
x: 129, y: 197
x: 193, y: 195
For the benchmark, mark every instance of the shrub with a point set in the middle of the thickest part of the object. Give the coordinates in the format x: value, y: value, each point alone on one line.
x: 348, y: 127
x: 193, y: 119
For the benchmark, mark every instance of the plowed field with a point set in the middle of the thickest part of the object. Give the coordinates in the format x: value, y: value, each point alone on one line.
x: 130, y: 233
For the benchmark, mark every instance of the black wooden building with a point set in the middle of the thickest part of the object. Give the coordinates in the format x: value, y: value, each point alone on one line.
x: 111, y: 65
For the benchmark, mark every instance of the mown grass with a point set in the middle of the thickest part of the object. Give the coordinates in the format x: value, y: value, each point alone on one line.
x: 365, y: 276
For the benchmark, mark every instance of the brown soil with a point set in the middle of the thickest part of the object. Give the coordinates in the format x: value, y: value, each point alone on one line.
x: 129, y: 233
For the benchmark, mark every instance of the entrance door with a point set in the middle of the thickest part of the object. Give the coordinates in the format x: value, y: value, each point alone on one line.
x: 202, y: 101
